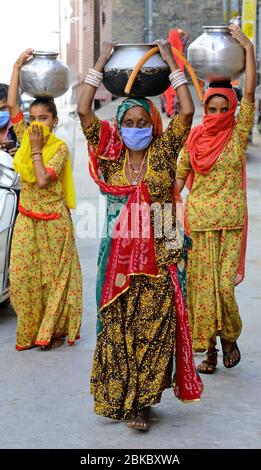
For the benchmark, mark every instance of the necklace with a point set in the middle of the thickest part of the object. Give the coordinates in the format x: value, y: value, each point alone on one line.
x: 134, y: 170
x: 137, y: 172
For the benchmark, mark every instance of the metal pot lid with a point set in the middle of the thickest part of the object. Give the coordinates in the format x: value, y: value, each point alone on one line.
x: 134, y: 45
x: 215, y: 29
x: 46, y: 53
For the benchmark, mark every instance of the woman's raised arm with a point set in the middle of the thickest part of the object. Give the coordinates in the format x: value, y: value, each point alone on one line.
x: 250, y: 79
x: 187, y: 107
x: 84, y: 108
x: 12, y: 100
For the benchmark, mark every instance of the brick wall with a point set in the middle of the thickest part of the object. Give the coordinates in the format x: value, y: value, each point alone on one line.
x: 87, y: 40
x: 72, y: 54
x: 80, y: 51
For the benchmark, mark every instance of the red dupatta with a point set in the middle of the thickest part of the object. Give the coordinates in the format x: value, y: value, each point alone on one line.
x: 131, y: 253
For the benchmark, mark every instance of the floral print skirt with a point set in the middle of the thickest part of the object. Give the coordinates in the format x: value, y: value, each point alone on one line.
x: 46, y: 282
x: 134, y: 354
x: 212, y: 268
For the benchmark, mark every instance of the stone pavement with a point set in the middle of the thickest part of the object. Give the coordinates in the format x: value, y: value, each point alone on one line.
x: 45, y: 400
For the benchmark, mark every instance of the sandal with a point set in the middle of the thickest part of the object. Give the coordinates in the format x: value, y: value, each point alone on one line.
x: 227, y: 355
x: 209, y: 365
x: 55, y: 343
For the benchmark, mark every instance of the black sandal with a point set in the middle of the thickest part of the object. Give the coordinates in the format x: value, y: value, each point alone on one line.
x: 211, y: 362
x: 227, y: 356
x: 54, y: 343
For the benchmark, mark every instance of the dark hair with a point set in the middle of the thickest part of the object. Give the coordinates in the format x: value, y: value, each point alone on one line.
x: 239, y: 93
x: 3, y: 91
x: 220, y: 85
x: 216, y: 94
x: 48, y: 102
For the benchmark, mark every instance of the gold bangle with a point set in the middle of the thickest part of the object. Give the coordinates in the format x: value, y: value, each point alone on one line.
x: 37, y: 160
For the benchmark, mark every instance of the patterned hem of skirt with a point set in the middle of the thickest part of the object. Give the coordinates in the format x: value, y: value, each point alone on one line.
x: 119, y: 413
x: 46, y: 343
x: 24, y: 348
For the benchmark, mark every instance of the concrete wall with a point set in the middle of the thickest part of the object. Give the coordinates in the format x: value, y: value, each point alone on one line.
x: 128, y: 20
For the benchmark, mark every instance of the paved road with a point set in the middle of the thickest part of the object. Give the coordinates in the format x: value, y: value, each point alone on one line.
x: 45, y: 401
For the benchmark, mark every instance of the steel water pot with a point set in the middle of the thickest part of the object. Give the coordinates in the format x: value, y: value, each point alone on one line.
x: 44, y: 75
x: 216, y: 55
x: 152, y: 79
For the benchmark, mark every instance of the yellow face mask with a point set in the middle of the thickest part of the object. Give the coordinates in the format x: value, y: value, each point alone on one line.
x: 46, y: 129
x: 24, y: 166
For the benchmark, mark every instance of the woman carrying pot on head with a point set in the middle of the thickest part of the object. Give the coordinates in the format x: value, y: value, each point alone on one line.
x: 45, y: 274
x: 134, y: 164
x: 214, y: 160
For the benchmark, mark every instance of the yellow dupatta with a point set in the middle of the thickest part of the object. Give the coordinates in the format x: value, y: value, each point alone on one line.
x: 24, y: 166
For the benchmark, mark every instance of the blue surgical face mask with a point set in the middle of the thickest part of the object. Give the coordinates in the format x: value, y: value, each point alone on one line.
x: 136, y: 138
x: 4, y: 118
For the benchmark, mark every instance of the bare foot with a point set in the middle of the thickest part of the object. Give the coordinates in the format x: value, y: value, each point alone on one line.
x: 231, y: 353
x: 55, y: 343
x: 141, y: 420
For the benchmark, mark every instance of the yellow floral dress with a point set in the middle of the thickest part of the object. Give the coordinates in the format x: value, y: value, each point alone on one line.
x: 45, y: 273
x: 216, y: 208
x: 134, y: 353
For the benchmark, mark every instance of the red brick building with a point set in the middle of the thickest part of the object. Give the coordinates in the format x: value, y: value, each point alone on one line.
x: 90, y: 25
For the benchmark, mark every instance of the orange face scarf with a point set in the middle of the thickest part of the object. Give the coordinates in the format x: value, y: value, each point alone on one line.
x: 207, y: 141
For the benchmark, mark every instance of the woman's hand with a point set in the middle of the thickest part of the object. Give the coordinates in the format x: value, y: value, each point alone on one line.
x: 84, y: 107
x: 107, y: 50
x: 166, y: 52
x: 37, y: 138
x: 237, y: 34
x: 24, y: 57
